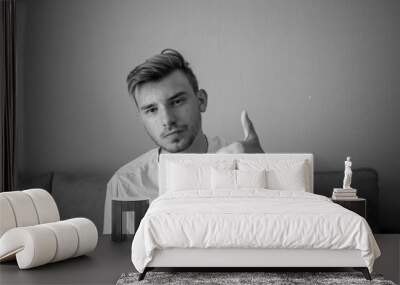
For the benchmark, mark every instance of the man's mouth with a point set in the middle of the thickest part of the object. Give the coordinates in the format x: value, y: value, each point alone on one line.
x: 174, y: 132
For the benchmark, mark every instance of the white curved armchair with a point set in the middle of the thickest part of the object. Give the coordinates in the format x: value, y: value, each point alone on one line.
x: 31, y: 232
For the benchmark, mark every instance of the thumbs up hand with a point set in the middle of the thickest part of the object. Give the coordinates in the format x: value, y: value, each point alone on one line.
x: 250, y: 144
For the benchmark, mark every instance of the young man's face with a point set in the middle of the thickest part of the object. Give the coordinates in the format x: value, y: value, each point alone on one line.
x: 170, y: 111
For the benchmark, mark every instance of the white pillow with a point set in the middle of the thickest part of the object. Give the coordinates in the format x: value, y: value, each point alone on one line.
x: 185, y: 175
x: 237, y: 179
x: 223, y: 179
x: 251, y: 178
x: 282, y: 174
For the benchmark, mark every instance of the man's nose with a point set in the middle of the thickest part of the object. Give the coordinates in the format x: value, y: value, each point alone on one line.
x: 168, y: 117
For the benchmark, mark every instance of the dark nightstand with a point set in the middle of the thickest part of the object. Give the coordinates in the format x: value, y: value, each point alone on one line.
x: 120, y: 205
x: 357, y: 205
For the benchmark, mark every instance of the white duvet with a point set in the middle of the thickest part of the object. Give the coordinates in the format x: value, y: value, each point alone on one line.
x: 250, y: 218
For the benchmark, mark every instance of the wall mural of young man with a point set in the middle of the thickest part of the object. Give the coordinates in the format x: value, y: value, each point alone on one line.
x: 170, y: 104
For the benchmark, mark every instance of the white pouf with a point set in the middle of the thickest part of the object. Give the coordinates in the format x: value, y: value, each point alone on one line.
x: 40, y: 244
x: 32, y: 233
x: 23, y: 208
x: 7, y: 220
x: 45, y: 205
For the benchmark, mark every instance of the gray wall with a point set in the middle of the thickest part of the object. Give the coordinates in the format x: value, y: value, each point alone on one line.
x: 315, y: 76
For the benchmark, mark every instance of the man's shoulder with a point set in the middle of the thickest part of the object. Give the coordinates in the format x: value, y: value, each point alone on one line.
x: 146, y: 160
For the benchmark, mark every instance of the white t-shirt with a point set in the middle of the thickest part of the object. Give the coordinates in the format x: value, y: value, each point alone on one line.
x: 139, y: 178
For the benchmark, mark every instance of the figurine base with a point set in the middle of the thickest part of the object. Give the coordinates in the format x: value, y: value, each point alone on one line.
x: 344, y: 190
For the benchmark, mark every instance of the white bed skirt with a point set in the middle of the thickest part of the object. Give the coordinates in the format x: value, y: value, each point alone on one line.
x: 226, y: 257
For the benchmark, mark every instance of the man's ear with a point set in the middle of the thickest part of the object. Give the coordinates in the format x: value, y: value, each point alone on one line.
x: 202, y: 97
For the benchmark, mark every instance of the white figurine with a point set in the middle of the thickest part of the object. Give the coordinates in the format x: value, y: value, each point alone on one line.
x: 347, y: 173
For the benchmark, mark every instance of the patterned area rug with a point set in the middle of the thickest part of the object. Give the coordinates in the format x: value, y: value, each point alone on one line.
x: 229, y: 278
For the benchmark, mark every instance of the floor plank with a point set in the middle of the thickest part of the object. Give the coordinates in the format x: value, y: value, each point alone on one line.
x: 389, y: 262
x: 103, y: 266
x: 111, y: 259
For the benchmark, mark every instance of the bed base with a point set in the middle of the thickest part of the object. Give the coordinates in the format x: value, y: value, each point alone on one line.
x: 250, y: 259
x: 363, y: 270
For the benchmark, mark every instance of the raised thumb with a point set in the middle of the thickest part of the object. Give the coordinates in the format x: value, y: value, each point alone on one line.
x: 247, y: 126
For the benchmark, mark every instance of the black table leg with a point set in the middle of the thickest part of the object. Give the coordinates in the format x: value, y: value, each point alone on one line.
x: 116, y: 233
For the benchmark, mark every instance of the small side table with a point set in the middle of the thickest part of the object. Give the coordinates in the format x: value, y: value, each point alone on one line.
x: 120, y: 205
x: 357, y: 205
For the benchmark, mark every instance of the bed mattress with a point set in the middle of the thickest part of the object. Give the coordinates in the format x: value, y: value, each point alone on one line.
x: 251, y: 219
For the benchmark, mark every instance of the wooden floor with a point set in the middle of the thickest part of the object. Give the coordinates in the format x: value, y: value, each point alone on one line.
x: 389, y: 262
x: 111, y: 259
x: 103, y: 266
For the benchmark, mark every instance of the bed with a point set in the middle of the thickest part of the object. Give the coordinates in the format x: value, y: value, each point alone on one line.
x: 245, y: 211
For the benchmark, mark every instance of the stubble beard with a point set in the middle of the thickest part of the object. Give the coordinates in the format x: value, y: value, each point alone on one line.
x: 175, y: 145
x: 174, y: 148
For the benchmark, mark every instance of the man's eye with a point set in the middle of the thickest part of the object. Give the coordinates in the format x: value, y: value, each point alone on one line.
x: 151, y: 110
x: 178, y: 102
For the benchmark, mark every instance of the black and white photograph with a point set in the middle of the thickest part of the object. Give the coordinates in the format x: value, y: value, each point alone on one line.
x: 200, y: 142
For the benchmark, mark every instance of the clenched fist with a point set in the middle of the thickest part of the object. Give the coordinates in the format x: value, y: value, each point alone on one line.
x: 250, y: 144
